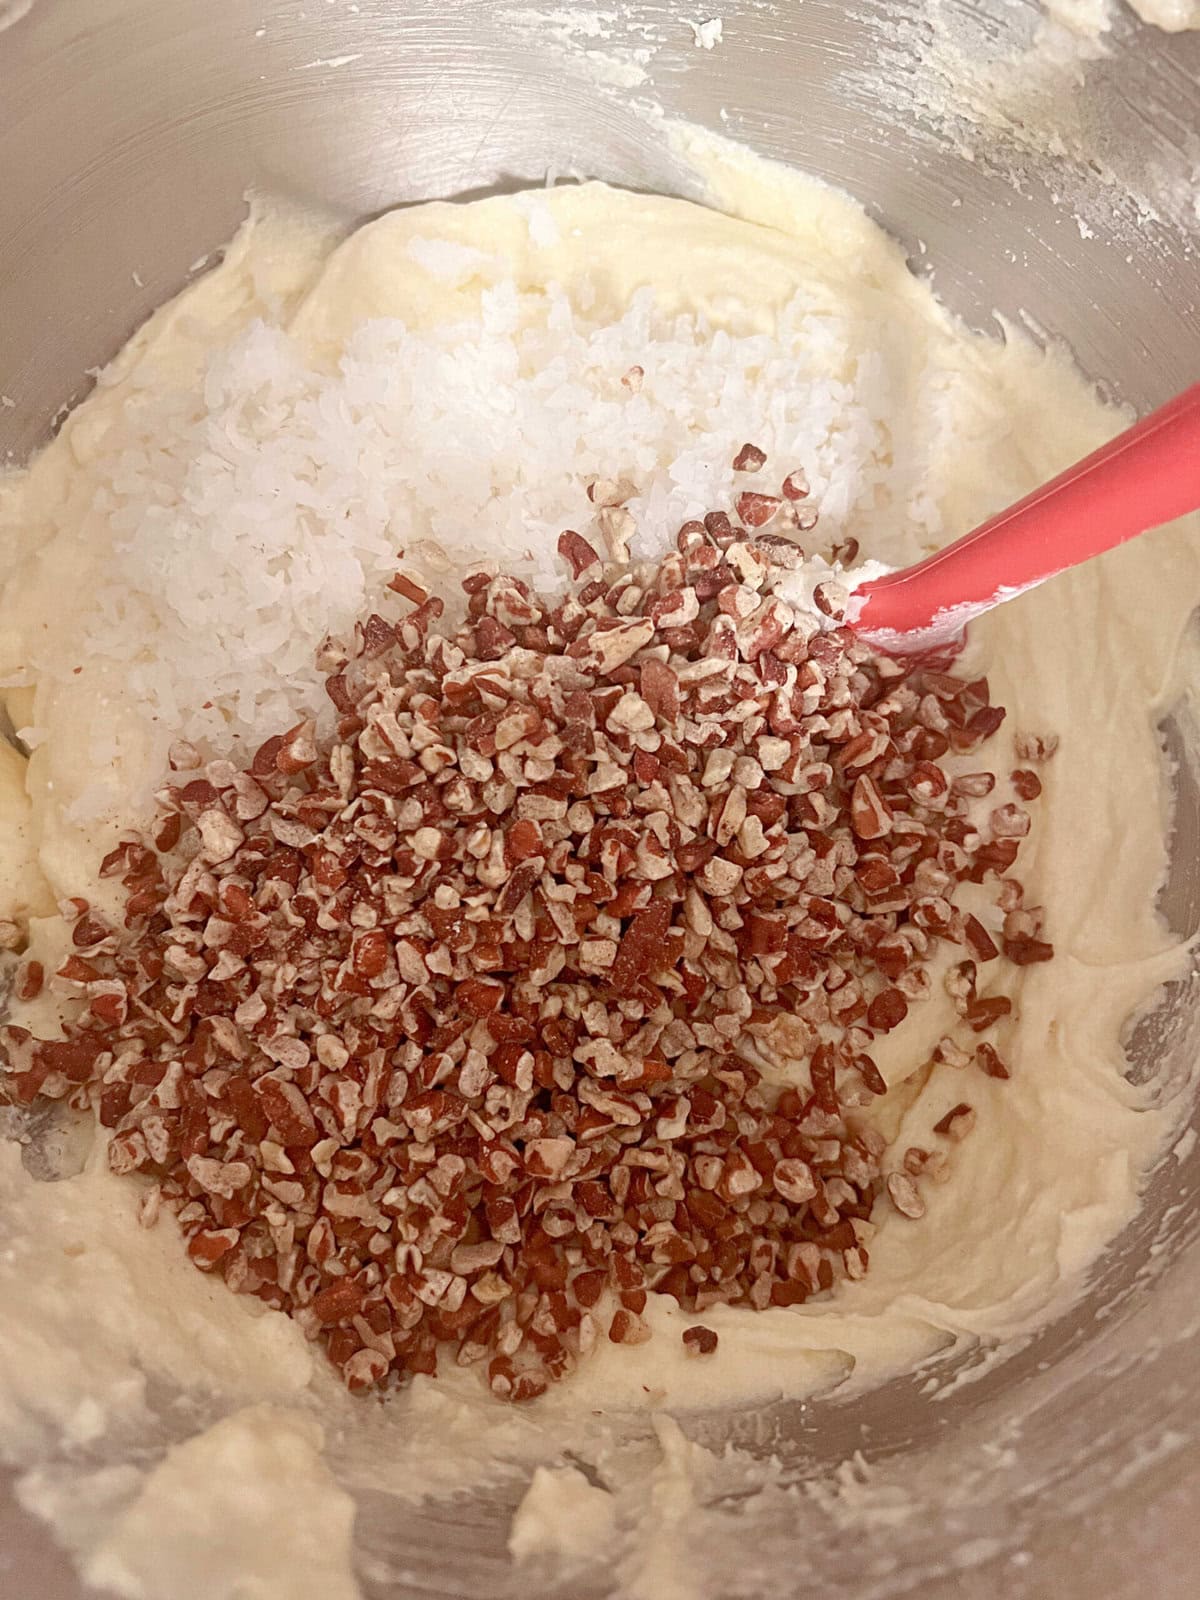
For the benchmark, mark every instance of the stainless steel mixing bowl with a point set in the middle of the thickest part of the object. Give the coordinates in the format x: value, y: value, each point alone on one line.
x: 1062, y: 190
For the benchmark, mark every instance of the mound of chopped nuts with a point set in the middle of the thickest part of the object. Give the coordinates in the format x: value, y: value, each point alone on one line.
x: 449, y: 1030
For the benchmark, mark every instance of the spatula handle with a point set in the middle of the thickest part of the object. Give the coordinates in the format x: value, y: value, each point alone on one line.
x: 1146, y: 476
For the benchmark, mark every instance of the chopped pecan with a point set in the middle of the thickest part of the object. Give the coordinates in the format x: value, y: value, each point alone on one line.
x: 448, y: 1027
x: 699, y: 1341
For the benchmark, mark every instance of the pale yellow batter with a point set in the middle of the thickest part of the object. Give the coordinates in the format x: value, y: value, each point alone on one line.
x: 91, y: 1307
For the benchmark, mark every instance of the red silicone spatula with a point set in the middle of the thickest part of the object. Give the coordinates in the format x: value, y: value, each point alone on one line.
x: 1144, y: 477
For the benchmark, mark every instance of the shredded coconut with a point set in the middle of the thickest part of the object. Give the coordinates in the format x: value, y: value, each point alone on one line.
x: 270, y: 508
